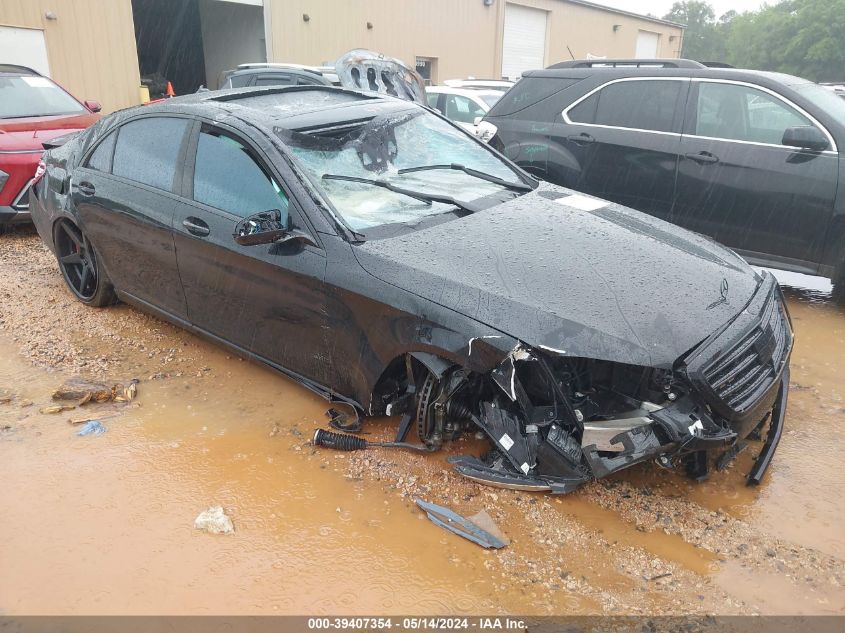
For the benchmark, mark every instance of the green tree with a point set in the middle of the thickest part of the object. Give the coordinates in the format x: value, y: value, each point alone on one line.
x: 701, y: 36
x: 799, y: 37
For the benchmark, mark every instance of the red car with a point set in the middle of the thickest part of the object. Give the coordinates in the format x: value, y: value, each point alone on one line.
x: 33, y: 110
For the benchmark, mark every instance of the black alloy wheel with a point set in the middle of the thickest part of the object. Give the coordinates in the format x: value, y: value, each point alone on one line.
x: 78, y: 263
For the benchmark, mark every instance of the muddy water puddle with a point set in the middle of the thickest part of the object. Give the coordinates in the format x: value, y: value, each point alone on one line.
x: 104, y: 523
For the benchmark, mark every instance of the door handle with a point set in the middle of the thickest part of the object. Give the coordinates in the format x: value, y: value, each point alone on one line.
x: 582, y: 138
x: 86, y: 188
x: 705, y: 158
x: 195, y: 226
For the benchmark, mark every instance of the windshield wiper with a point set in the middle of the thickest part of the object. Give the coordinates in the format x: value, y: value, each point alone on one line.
x: 418, y: 195
x: 516, y: 186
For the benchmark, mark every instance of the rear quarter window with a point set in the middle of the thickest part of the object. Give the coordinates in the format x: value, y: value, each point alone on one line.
x: 528, y: 92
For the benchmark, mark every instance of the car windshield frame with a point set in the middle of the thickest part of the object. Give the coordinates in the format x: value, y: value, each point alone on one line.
x: 64, y: 104
x: 316, y: 153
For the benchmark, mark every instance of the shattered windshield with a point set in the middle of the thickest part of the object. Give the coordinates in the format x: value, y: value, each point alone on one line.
x: 370, y: 156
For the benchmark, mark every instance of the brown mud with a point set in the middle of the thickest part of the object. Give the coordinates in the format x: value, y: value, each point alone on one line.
x: 103, y: 524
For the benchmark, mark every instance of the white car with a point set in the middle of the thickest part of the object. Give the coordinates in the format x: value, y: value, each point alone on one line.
x: 464, y: 106
x: 489, y: 84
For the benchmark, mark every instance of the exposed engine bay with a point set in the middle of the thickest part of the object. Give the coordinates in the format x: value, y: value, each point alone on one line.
x: 556, y: 422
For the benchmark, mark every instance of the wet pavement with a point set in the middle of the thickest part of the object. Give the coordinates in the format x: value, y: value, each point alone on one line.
x: 103, y: 524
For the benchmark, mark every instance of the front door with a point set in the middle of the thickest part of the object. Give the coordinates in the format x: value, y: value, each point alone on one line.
x: 624, y: 139
x: 124, y: 193
x: 738, y: 184
x: 266, y: 299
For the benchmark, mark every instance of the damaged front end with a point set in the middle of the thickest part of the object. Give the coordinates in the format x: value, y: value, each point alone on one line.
x: 556, y: 422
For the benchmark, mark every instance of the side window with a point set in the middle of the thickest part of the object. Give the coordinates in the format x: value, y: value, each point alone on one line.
x: 228, y: 176
x: 308, y: 81
x: 642, y: 105
x: 462, y: 110
x: 147, y: 150
x: 743, y: 113
x: 239, y: 81
x: 101, y: 157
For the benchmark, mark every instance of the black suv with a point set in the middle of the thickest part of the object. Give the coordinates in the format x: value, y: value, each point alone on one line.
x: 749, y: 158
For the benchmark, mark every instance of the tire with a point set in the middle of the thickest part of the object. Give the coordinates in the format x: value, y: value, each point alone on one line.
x: 839, y: 290
x: 80, y: 266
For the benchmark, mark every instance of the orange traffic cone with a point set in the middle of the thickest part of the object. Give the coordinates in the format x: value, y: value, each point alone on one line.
x: 170, y: 92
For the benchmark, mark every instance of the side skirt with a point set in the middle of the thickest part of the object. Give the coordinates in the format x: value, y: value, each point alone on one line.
x: 317, y: 388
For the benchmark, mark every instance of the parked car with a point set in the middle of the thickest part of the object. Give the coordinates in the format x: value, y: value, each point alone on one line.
x: 33, y: 109
x: 752, y: 159
x: 480, y: 84
x: 464, y: 106
x: 837, y: 88
x: 384, y: 258
x: 269, y: 74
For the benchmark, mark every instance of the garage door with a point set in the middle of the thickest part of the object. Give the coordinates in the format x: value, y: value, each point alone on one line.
x: 647, y: 45
x: 524, y: 44
x: 25, y: 47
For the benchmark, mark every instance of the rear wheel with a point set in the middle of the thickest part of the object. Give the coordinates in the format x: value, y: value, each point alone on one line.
x: 79, y: 265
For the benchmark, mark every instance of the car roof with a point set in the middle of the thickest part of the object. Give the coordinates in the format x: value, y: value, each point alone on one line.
x: 735, y: 74
x: 15, y: 69
x: 286, y: 107
x: 466, y: 92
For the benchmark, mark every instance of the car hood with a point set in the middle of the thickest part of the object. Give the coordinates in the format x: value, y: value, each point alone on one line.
x: 574, y: 275
x: 29, y: 133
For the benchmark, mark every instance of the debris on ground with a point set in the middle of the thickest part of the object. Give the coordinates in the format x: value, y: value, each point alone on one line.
x: 5, y: 399
x: 487, y: 534
x: 86, y: 419
x: 214, y: 521
x: 92, y: 427
x: 81, y: 393
x: 56, y: 408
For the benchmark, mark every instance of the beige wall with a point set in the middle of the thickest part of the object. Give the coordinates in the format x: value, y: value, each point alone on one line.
x: 464, y: 35
x: 90, y: 47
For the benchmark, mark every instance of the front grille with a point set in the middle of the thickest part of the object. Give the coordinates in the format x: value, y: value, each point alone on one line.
x: 21, y: 201
x: 747, y: 371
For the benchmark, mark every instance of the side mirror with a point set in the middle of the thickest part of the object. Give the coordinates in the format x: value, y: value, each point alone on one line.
x: 477, y: 120
x: 94, y: 106
x: 805, y: 137
x: 267, y: 227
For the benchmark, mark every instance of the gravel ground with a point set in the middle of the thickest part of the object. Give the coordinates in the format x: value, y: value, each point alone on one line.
x: 640, y: 564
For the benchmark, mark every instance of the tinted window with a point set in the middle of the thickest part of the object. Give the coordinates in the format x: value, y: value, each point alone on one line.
x: 432, y: 100
x: 147, y: 151
x: 101, y: 158
x: 742, y: 113
x: 274, y: 80
x: 239, y: 81
x: 228, y: 177
x: 528, y: 91
x: 643, y: 105
x: 462, y: 110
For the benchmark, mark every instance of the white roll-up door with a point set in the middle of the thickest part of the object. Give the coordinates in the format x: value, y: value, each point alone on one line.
x: 25, y: 47
x: 524, y: 43
x: 647, y: 42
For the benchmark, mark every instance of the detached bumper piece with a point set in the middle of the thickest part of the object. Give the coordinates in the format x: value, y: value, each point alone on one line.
x: 761, y: 464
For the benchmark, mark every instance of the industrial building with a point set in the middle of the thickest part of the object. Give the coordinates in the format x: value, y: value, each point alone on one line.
x: 101, y: 49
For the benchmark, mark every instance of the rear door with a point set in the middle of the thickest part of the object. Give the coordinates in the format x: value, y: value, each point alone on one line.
x: 266, y: 299
x: 738, y: 184
x: 125, y: 194
x: 621, y: 142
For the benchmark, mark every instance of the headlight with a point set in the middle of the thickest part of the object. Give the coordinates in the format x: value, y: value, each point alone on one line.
x: 3, y: 178
x: 485, y: 131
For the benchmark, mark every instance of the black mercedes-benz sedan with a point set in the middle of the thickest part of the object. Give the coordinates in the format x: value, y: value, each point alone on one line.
x: 378, y: 254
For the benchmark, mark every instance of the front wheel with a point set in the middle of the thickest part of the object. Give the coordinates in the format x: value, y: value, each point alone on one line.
x: 79, y: 265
